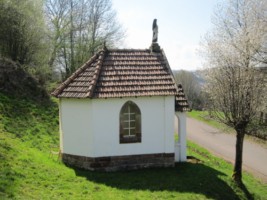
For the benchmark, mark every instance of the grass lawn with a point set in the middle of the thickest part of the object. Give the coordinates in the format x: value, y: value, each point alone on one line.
x: 28, y: 171
x: 204, y: 117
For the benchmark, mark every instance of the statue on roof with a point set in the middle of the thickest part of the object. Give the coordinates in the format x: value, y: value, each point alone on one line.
x: 155, y: 31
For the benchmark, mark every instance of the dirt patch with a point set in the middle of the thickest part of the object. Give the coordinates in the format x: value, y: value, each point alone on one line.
x: 192, y: 159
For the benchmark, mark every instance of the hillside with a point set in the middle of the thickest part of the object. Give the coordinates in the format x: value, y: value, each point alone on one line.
x: 28, y: 129
x: 15, y: 81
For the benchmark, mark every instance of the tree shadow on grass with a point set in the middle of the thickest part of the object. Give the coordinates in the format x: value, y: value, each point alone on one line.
x: 184, y: 178
x: 7, y: 174
x: 245, y: 191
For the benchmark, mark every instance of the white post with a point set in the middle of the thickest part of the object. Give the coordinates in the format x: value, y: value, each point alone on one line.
x: 182, y: 137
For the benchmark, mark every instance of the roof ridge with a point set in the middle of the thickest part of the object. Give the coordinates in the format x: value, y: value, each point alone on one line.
x: 74, y: 75
x: 169, y: 70
x: 96, y: 73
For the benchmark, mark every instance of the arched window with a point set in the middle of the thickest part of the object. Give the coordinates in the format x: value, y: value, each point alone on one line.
x: 130, y: 123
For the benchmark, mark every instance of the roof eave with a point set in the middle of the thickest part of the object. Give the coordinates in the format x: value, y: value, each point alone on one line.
x: 63, y: 85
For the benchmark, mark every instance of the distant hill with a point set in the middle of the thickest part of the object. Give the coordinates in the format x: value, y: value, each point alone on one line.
x: 193, y: 83
x: 198, y: 75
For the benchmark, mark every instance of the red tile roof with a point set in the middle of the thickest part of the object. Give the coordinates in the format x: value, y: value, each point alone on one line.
x: 181, y: 103
x: 123, y: 73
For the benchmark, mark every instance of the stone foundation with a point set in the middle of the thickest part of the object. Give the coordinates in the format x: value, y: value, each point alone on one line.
x: 118, y: 163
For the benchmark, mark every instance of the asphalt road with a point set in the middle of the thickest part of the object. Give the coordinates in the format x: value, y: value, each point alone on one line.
x: 223, y: 145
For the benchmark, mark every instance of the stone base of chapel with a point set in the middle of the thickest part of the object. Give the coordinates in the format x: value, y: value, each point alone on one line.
x: 120, y: 163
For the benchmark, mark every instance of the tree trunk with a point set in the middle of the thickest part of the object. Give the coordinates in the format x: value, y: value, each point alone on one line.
x: 237, y: 174
x: 72, y: 67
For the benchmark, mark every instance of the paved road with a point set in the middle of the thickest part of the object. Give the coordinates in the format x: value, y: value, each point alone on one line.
x: 223, y: 145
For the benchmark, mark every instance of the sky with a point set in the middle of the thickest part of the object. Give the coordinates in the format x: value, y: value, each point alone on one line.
x: 182, y: 24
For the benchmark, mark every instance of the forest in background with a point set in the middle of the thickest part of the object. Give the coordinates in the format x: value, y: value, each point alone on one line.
x: 51, y: 38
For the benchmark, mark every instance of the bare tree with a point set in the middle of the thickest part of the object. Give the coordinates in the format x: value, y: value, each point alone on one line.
x: 58, y: 22
x: 79, y: 28
x: 233, y: 51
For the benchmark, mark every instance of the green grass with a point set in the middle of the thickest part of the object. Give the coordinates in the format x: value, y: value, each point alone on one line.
x: 32, y: 122
x: 204, y: 117
x: 28, y: 171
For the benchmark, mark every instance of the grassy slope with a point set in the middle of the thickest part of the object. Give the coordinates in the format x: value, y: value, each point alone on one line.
x: 27, y: 130
x: 204, y: 117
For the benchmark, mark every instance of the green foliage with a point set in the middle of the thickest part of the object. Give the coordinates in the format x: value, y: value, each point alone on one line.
x: 22, y: 30
x: 34, y: 123
x: 28, y: 171
x: 23, y: 36
x: 51, y: 39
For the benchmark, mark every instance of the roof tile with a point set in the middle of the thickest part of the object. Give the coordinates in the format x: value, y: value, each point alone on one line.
x: 120, y: 73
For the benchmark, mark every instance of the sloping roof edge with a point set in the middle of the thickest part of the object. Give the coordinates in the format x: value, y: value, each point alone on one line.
x: 181, y: 103
x: 169, y: 69
x: 96, y: 73
x: 61, y: 87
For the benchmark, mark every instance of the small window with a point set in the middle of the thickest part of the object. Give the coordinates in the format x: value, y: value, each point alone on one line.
x: 130, y: 123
